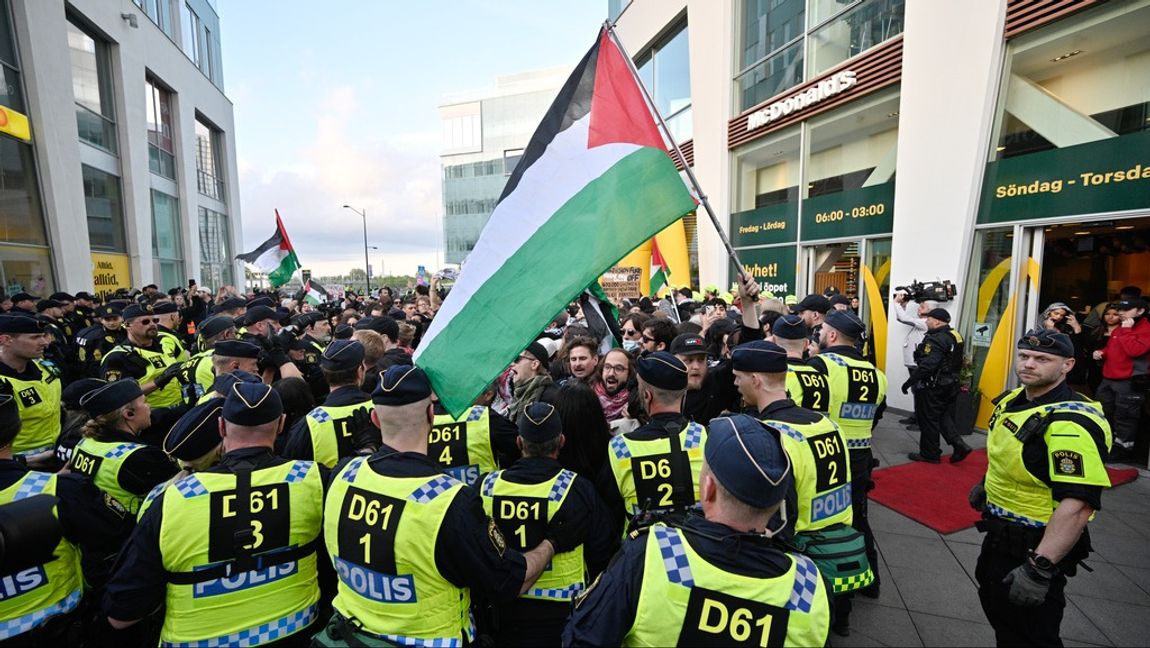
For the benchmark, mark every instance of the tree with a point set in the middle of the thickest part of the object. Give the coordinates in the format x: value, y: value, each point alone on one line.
x: 356, y: 274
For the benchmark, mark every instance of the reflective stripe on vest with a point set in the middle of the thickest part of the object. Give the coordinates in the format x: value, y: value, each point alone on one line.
x: 645, y: 471
x: 515, y: 509
x: 381, y: 532
x: 158, y: 361
x: 203, y: 519
x: 329, y: 428
x: 463, y: 445
x: 35, y: 594
x: 101, y: 461
x: 821, y: 468
x: 857, y: 387
x: 686, y: 600
x: 38, y: 402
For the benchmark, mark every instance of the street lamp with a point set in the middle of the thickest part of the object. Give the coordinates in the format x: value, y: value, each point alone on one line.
x: 366, y: 263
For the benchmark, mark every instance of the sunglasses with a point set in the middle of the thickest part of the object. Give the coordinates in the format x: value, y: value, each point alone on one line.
x: 147, y: 320
x: 630, y: 332
x: 648, y: 339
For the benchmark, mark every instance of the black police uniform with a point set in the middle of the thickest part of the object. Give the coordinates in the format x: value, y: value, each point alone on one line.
x: 718, y: 392
x: 534, y: 622
x: 93, y: 343
x: 938, y: 360
x: 59, y: 351
x: 299, y: 443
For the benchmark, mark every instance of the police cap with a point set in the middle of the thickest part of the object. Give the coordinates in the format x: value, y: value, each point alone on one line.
x: 342, y: 332
x: 342, y: 355
x: 688, y: 344
x: 259, y: 313
x: 939, y: 314
x: 62, y: 297
x: 83, y: 294
x: 197, y: 432
x: 223, y: 382
x: 283, y: 315
x: 747, y: 458
x: 72, y: 394
x: 759, y: 356
x: 401, y: 385
x: 252, y: 404
x: 236, y: 349
x: 22, y: 296
x: 816, y: 303
x: 20, y: 324
x: 790, y: 327
x: 663, y: 370
x: 165, y: 308
x: 845, y: 322
x: 838, y: 299
x: 1047, y: 341
x: 540, y: 423
x: 45, y: 304
x: 136, y: 310
x: 384, y: 325
x: 231, y: 303
x: 261, y: 300
x: 305, y: 320
x: 110, y: 397
x: 9, y: 413
x: 214, y: 325
x: 109, y: 311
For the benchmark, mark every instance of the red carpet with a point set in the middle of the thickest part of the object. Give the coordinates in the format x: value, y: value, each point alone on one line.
x: 935, y: 494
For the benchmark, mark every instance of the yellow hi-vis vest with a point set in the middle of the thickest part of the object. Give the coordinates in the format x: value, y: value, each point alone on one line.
x: 822, y: 473
x: 38, y: 402
x: 197, y: 376
x: 170, y: 395
x: 1012, y: 492
x: 101, y: 461
x: 809, y: 388
x: 463, y: 446
x: 522, y: 512
x: 659, y: 474
x: 685, y: 600
x: 172, y: 346
x: 218, y: 598
x: 34, y: 595
x: 857, y: 388
x: 330, y: 430
x: 381, y: 533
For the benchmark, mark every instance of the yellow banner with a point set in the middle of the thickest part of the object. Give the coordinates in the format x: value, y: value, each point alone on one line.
x: 110, y: 272
x: 15, y: 124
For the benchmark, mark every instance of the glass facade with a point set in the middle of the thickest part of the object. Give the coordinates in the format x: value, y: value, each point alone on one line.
x: 92, y: 89
x: 215, y: 249
x: 666, y: 72
x: 785, y: 42
x: 166, y: 241
x: 209, y: 167
x: 161, y: 150
x: 105, y: 210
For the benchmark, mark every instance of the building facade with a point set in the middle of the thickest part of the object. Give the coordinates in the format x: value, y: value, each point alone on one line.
x: 864, y: 144
x: 484, y: 134
x: 117, y: 149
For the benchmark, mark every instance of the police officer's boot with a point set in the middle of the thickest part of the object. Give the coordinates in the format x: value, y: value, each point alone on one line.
x: 961, y: 450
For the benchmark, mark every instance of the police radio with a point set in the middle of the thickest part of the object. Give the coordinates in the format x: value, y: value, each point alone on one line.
x: 29, y: 533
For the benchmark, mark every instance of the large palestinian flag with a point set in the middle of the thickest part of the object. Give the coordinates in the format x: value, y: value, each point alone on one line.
x: 594, y: 183
x: 275, y: 256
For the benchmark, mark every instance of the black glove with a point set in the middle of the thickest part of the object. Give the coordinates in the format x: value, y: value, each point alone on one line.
x: 907, y: 385
x: 565, y: 534
x: 284, y: 339
x: 1028, y: 584
x: 134, y: 365
x: 977, y: 497
x: 365, y: 437
x: 167, y: 375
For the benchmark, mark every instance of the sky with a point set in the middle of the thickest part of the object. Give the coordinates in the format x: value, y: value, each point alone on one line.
x: 336, y: 103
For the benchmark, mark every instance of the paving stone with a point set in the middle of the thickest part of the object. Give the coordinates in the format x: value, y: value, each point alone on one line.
x: 1077, y: 627
x: 1124, y: 624
x: 954, y: 597
x: 1120, y: 550
x: 1140, y: 576
x: 885, y: 519
x: 967, y: 556
x: 878, y: 625
x: 945, y: 631
x: 928, y: 555
x: 966, y: 536
x: 1107, y: 581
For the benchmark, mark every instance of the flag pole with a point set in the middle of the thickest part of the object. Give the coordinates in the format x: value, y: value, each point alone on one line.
x: 610, y: 27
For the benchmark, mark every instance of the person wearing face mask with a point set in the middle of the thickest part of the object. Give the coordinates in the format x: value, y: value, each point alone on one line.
x: 724, y: 560
x: 632, y: 329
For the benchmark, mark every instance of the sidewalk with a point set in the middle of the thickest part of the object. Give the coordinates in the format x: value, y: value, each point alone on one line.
x: 929, y: 596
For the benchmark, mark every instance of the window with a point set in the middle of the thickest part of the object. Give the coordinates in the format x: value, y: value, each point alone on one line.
x: 511, y: 159
x: 92, y: 89
x: 190, y: 32
x: 852, y: 32
x: 160, y: 11
x: 666, y: 71
x: 21, y: 218
x: 104, y: 209
x: 853, y: 147
x: 206, y: 65
x: 215, y: 249
x: 166, y: 247
x: 209, y: 167
x: 462, y: 128
x: 161, y: 152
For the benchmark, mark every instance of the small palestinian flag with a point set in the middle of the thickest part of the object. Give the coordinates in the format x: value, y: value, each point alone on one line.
x: 275, y: 257
x: 314, y: 293
x: 660, y: 274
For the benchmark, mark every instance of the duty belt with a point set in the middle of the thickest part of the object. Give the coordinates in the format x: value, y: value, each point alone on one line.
x: 858, y: 444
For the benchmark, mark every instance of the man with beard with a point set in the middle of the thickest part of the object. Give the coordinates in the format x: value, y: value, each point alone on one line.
x: 614, y: 385
x: 143, y: 357
x: 583, y: 358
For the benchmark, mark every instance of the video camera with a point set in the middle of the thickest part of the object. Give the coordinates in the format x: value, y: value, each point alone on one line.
x: 939, y: 291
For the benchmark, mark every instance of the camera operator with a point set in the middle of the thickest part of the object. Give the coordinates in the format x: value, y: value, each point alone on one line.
x: 916, y: 320
x: 938, y: 360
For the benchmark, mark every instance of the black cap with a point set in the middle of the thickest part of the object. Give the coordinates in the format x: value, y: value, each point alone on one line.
x: 223, y: 382
x: 342, y: 355
x: 62, y: 297
x: 401, y: 385
x: 539, y: 352
x: 72, y: 394
x: 837, y: 299
x: 45, y: 304
x: 688, y: 344
x: 663, y: 370
x: 1047, y: 341
x: 108, y: 311
x: 83, y: 294
x: 304, y: 320
x: 816, y: 303
x: 759, y: 356
x: 746, y: 457
x: 790, y: 327
x: 236, y: 349
x: 231, y: 303
x: 540, y: 423
x: 136, y: 310
x: 22, y: 296
x: 342, y: 332
x: 939, y: 314
x: 1125, y: 304
x: 9, y: 413
x: 110, y: 397
x: 214, y: 325
x: 252, y: 404
x: 845, y: 322
x: 261, y: 300
x: 384, y: 325
x: 165, y: 308
x: 283, y: 316
x: 20, y: 324
x: 197, y: 432
x: 259, y: 313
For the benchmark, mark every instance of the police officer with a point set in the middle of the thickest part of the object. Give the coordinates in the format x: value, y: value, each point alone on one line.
x: 59, y: 351
x: 938, y: 360
x: 168, y: 315
x: 96, y: 340
x: 342, y: 426
x: 83, y: 313
x: 111, y: 454
x: 230, y: 551
x: 44, y: 581
x: 142, y: 356
x: 197, y: 373
x: 523, y: 500
x: 259, y: 328
x: 396, y: 526
x: 654, y: 469
x: 473, y: 443
x: 857, y: 399
x: 231, y: 356
x: 806, y: 386
x: 717, y: 579
x: 821, y: 498
x: 34, y: 384
x: 193, y: 443
x: 1044, y: 481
